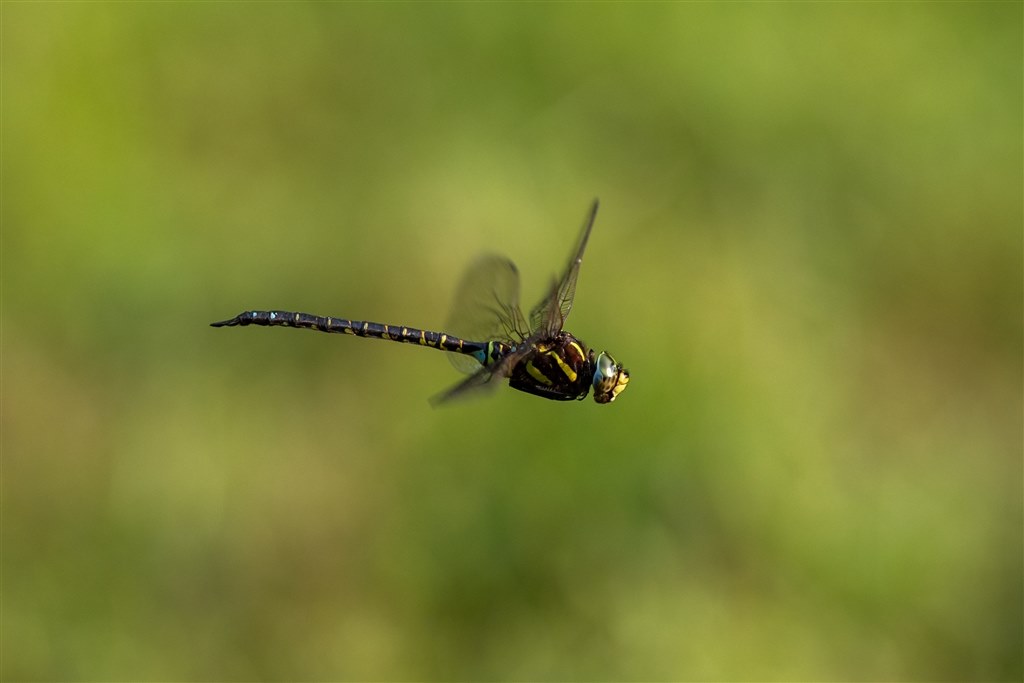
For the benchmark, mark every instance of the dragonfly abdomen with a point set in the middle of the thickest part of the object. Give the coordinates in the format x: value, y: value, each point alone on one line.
x: 361, y: 328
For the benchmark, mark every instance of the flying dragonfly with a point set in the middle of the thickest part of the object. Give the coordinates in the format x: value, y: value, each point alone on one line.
x: 490, y: 338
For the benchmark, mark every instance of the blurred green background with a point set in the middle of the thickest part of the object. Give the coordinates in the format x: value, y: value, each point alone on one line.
x: 808, y: 255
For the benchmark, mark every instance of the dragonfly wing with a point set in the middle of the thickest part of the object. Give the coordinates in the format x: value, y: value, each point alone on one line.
x: 549, y: 315
x: 486, y: 307
x: 482, y: 381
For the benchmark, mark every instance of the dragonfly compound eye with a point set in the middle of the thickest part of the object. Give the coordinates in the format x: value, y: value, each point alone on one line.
x: 610, y: 378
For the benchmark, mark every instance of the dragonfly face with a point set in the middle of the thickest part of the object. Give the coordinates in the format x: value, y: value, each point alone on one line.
x: 610, y: 378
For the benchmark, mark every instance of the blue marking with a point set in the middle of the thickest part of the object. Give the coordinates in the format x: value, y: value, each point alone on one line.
x: 480, y: 355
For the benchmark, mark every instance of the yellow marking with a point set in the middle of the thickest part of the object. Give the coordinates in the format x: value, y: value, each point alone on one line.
x: 366, y: 326
x: 579, y: 349
x: 423, y: 337
x: 569, y: 372
x: 620, y: 385
x: 405, y: 334
x: 532, y: 370
x: 460, y: 345
x: 387, y: 332
x: 440, y: 344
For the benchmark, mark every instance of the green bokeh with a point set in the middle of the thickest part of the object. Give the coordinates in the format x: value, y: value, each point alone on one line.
x: 808, y: 255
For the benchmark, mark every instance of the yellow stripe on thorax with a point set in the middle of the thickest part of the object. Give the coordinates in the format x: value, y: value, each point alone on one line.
x: 569, y: 372
x: 532, y: 370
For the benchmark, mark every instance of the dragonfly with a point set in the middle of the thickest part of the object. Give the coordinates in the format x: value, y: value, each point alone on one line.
x: 490, y: 339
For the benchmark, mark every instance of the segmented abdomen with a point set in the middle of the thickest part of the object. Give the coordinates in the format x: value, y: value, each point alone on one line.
x: 360, y: 328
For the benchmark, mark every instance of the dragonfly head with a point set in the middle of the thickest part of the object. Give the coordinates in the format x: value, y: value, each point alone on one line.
x: 610, y: 378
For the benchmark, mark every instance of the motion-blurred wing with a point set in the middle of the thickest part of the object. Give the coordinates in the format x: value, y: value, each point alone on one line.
x: 549, y: 315
x: 482, y: 381
x: 486, y: 306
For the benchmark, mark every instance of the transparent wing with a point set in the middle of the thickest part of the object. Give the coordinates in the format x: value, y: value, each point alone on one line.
x: 484, y: 380
x: 486, y: 307
x: 548, y: 316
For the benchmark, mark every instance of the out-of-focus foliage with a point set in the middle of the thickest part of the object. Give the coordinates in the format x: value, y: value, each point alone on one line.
x: 808, y: 255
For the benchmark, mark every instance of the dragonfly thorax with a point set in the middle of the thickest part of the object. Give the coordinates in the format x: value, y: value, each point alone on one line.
x: 559, y: 368
x: 564, y: 369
